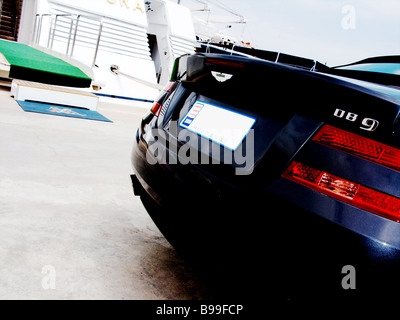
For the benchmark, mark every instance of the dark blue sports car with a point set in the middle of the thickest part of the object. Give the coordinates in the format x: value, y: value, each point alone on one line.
x: 276, y: 176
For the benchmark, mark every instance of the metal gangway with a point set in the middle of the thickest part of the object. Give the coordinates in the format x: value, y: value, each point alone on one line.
x: 65, y: 32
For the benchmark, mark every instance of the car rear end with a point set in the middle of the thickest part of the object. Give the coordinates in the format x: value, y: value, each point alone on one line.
x: 291, y: 175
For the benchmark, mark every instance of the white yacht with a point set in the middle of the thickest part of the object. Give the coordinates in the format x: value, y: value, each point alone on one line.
x: 127, y: 47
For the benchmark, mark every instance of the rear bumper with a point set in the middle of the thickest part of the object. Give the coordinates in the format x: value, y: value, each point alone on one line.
x: 306, y: 238
x: 136, y: 185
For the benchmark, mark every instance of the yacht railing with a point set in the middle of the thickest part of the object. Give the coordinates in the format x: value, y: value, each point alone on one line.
x: 90, y: 31
x: 74, y: 24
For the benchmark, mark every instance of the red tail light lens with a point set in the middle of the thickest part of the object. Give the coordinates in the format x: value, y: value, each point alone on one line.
x: 157, y: 106
x: 359, y: 146
x: 168, y: 86
x: 225, y: 63
x: 156, y: 109
x: 349, y: 192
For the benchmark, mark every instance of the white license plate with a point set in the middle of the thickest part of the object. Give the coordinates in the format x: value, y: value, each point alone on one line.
x: 223, y: 126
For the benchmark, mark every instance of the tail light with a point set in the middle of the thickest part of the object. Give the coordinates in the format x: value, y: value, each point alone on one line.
x: 359, y: 146
x: 225, y: 63
x: 157, y: 106
x: 344, y: 190
x: 347, y: 191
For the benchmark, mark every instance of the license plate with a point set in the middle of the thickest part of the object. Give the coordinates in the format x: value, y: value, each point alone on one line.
x: 225, y: 127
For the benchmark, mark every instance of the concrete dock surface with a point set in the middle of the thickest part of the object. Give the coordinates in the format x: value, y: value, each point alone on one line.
x: 70, y: 226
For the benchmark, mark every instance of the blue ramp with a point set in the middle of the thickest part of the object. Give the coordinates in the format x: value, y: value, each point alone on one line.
x: 63, y: 111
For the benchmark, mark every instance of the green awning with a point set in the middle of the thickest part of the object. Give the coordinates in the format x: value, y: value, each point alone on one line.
x: 28, y: 63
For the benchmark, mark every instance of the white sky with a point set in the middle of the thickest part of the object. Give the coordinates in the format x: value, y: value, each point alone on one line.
x: 324, y: 30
